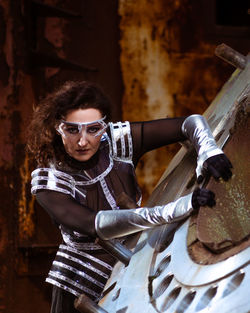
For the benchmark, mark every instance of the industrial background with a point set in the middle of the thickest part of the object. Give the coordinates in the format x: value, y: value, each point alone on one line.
x: 154, y: 58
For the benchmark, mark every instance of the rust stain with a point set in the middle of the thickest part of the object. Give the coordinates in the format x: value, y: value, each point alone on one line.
x: 25, y: 205
x: 6, y: 88
x: 3, y: 234
x: 166, y: 71
x: 223, y: 231
x: 228, y: 223
x: 54, y: 32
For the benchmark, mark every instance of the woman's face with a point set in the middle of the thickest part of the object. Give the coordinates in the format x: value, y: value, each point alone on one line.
x: 81, y: 141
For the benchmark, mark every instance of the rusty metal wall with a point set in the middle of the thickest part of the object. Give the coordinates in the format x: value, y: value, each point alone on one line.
x: 42, y: 44
x: 154, y: 57
x: 168, y: 65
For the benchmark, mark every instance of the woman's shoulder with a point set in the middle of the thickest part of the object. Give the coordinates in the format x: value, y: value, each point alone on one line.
x: 50, y: 178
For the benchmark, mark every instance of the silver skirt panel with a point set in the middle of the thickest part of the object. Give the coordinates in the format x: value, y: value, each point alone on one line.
x: 79, y: 272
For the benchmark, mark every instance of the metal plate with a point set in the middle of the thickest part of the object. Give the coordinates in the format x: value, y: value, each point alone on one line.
x: 162, y: 275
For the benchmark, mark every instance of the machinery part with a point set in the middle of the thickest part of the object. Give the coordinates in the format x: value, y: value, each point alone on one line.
x: 118, y: 250
x: 163, y: 275
x: 85, y: 305
x: 231, y: 56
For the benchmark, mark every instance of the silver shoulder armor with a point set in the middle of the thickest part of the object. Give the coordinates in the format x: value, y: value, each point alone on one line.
x: 52, y: 179
x: 121, y: 141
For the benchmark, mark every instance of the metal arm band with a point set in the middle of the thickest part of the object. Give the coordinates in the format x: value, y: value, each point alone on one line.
x: 196, y: 129
x: 122, y: 146
x: 115, y: 224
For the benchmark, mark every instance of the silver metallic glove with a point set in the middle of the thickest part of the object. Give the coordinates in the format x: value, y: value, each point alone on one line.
x: 119, y: 223
x: 197, y: 130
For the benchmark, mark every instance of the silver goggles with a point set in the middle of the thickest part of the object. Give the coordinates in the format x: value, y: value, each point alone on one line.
x: 72, y: 130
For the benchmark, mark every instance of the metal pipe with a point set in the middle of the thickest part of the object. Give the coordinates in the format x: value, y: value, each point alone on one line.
x: 85, y: 305
x: 231, y: 56
x: 116, y: 249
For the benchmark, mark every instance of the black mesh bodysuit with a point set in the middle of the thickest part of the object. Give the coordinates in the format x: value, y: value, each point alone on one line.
x: 72, y: 192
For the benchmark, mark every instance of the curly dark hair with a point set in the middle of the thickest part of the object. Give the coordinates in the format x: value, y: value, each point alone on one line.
x: 44, y: 142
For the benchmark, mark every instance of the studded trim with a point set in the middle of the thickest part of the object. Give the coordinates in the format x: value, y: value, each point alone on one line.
x: 69, y: 240
x: 108, y: 195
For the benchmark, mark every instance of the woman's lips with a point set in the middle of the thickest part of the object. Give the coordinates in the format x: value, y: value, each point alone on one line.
x: 82, y: 151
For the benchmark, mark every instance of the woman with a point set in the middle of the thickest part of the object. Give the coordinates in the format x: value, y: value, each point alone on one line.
x: 85, y: 163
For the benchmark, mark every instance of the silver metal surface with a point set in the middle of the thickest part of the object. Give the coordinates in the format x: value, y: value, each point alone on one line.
x: 193, y: 274
x: 161, y: 277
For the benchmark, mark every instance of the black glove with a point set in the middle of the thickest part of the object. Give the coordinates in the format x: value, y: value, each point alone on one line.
x: 218, y: 166
x: 203, y: 197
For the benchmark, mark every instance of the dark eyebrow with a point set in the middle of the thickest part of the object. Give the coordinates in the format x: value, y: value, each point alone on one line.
x: 71, y: 124
x: 96, y: 124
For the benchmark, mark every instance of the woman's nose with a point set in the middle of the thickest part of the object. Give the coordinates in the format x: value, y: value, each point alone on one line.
x: 83, y: 140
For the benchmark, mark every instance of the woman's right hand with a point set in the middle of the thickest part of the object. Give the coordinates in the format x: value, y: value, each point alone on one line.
x: 203, y: 197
